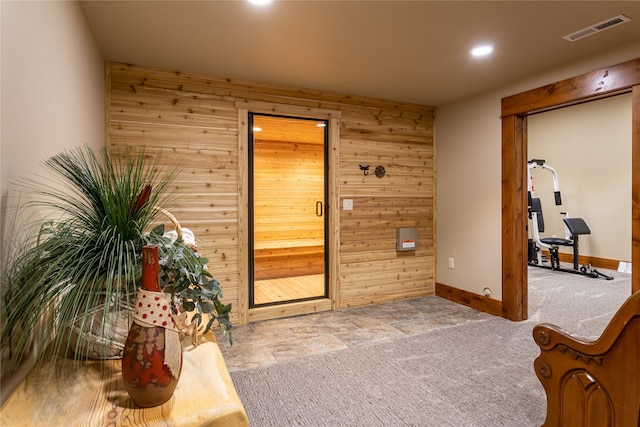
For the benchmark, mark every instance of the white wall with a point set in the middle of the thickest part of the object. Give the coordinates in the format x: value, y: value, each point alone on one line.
x: 469, y: 178
x: 52, y: 84
x: 52, y: 87
x: 52, y: 80
x: 589, y: 145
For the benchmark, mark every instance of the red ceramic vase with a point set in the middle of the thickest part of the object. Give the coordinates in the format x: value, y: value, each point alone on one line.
x: 148, y: 378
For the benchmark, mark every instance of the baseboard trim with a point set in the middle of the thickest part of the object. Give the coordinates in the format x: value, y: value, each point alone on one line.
x: 493, y: 306
x: 611, y: 264
x: 479, y: 302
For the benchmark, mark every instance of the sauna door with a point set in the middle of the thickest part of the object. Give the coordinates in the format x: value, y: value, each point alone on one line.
x: 287, y: 209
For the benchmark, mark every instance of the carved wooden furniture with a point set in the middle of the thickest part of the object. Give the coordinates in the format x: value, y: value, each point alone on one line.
x: 84, y: 394
x: 592, y: 383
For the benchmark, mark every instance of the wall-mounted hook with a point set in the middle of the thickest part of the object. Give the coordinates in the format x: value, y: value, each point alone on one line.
x: 365, y: 169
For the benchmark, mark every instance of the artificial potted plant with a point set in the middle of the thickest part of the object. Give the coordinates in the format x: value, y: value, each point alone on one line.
x: 78, y: 269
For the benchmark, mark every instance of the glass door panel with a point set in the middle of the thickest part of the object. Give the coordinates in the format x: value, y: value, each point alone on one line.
x: 287, y: 209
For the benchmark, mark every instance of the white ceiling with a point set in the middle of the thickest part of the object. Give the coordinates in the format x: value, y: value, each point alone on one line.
x: 412, y: 51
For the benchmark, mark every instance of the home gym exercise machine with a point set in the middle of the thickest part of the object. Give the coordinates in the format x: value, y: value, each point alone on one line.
x: 574, y: 228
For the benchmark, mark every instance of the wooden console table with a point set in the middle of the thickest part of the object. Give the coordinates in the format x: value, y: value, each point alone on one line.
x: 88, y: 394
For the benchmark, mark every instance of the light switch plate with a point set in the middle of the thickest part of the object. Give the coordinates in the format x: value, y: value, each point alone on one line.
x: 347, y: 204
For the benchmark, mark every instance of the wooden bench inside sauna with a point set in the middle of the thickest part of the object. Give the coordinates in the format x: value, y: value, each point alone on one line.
x: 274, y: 259
x: 592, y: 383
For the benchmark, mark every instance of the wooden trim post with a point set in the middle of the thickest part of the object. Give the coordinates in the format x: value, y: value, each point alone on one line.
x: 514, y: 235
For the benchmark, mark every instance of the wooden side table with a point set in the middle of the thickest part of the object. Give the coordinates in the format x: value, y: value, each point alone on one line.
x: 89, y: 394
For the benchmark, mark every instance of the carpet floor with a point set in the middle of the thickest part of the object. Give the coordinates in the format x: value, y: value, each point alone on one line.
x: 476, y: 372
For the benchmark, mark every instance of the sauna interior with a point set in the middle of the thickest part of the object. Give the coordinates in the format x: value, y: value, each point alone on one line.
x: 287, y: 214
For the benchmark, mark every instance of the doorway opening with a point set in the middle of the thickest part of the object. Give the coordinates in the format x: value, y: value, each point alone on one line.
x: 288, y: 221
x: 617, y: 79
x: 568, y: 167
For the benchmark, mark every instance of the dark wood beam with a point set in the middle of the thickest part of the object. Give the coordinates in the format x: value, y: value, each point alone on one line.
x: 596, y: 84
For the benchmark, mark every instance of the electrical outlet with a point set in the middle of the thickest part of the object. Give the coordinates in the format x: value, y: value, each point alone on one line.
x: 451, y: 263
x: 624, y: 267
x: 347, y: 204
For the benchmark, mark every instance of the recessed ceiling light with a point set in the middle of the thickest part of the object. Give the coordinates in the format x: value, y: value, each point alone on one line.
x: 260, y: 2
x: 257, y: 129
x: 481, y: 50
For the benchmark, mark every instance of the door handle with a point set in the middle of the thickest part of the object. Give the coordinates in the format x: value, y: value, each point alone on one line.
x: 318, y: 208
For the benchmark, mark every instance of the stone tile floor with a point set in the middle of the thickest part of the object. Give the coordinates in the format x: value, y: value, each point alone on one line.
x: 273, y: 341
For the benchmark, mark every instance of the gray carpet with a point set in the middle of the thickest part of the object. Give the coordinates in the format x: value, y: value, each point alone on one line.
x: 475, y: 374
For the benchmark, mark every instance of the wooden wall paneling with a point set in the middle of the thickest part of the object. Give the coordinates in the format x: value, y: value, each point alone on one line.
x: 259, y: 93
x: 207, y: 183
x: 288, y: 234
x: 368, y: 233
x: 403, y: 144
x: 278, y: 128
x: 180, y: 129
x: 108, y: 83
x: 202, y: 121
x: 243, y: 216
x: 289, y: 108
x: 333, y: 210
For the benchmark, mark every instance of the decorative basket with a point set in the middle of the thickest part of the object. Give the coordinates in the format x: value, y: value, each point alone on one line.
x: 177, y: 234
x: 105, y: 338
x: 184, y: 234
x: 100, y: 337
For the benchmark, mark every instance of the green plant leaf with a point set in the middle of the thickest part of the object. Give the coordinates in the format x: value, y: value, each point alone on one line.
x: 188, y: 305
x: 197, y: 318
x: 87, y: 249
x: 207, y: 307
x: 158, y: 230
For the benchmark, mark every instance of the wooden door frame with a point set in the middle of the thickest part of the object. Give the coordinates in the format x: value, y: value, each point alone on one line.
x: 603, y: 83
x: 246, y: 315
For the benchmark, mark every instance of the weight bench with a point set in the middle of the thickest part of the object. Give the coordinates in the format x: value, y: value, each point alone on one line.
x: 576, y: 228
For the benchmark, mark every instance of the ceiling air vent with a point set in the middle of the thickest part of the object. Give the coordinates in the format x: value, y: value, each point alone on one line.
x: 596, y: 28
